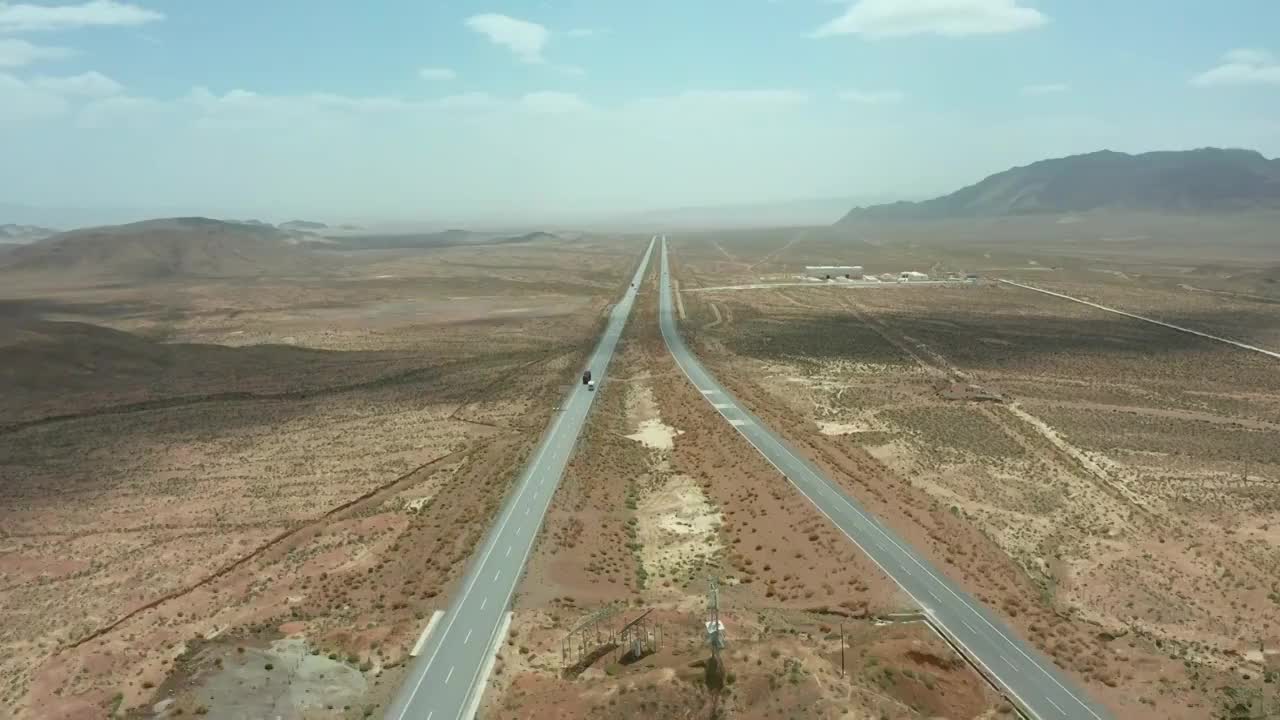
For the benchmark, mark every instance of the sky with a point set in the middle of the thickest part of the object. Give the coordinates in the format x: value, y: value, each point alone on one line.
x: 501, y: 110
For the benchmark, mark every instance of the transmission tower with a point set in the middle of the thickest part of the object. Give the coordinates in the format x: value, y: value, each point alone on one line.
x: 715, y: 628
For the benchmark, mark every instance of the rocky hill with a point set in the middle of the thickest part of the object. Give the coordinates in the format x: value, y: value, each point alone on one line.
x: 1194, y: 181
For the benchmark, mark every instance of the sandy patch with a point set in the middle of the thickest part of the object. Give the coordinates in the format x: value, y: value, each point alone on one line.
x: 841, y: 428
x: 284, y: 681
x: 656, y: 434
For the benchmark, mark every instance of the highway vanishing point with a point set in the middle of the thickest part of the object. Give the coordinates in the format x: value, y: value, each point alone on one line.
x: 447, y: 679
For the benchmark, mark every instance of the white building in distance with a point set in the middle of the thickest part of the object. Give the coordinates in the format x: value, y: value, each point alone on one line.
x: 827, y: 272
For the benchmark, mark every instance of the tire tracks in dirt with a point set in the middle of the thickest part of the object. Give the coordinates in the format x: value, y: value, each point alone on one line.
x: 407, y: 376
x: 367, y: 498
x: 1056, y: 449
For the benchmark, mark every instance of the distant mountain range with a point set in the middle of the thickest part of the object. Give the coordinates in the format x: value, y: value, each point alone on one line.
x: 1193, y: 181
x: 302, y: 225
x: 195, y: 247
x: 445, y: 238
x: 24, y: 233
x: 811, y: 211
x: 163, y: 249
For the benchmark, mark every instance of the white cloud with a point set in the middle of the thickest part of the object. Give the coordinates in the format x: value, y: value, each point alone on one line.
x: 1045, y: 89
x: 90, y: 84
x: 25, y: 16
x: 486, y: 160
x: 1241, y: 67
x: 16, y: 53
x: 583, y: 32
x: 467, y: 100
x: 124, y: 111
x: 762, y: 97
x: 1250, y: 56
x: 875, y: 97
x: 525, y: 39
x: 553, y: 102
x: 436, y: 73
x: 21, y: 102
x: 356, y: 104
x: 953, y: 18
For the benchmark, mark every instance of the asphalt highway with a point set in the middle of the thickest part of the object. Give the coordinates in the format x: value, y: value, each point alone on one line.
x: 446, y: 680
x: 1027, y: 677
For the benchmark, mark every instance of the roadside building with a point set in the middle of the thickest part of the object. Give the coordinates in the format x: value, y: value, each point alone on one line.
x: 830, y: 272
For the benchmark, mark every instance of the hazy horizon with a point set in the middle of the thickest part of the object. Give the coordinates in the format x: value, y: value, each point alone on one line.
x: 525, y: 112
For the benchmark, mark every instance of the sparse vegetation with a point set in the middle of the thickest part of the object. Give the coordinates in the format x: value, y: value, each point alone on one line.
x: 239, y: 464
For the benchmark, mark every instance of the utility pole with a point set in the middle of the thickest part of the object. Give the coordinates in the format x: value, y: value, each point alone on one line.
x: 1262, y: 687
x: 841, y: 649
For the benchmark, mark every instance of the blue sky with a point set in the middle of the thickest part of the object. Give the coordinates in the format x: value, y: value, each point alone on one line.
x: 472, y: 110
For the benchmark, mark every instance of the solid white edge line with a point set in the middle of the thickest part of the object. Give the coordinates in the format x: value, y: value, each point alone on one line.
x: 976, y: 658
x: 492, y: 543
x: 911, y: 555
x: 477, y: 689
x: 478, y: 693
x: 816, y: 478
x: 426, y: 631
x: 644, y: 265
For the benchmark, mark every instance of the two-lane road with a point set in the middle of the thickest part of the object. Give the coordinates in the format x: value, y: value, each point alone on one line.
x: 446, y: 680
x: 1025, y: 675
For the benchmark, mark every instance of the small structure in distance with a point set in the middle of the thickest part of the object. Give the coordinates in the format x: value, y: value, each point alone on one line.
x: 827, y: 272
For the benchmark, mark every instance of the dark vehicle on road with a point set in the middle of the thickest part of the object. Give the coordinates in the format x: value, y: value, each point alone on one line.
x: 586, y: 376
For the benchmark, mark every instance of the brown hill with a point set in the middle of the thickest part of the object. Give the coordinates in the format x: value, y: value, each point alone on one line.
x: 1194, y: 181
x: 163, y: 249
x: 52, y: 368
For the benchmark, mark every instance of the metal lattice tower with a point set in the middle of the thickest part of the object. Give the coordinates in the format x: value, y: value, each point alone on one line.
x: 715, y: 629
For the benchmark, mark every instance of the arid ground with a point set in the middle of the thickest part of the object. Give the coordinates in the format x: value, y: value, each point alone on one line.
x: 244, y: 496
x: 216, y: 489
x: 1112, y: 487
x: 661, y: 497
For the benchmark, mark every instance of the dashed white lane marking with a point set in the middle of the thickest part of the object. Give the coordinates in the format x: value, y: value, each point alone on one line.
x: 496, y: 573
x: 962, y: 622
x: 483, y: 602
x: 932, y: 594
x: 526, y: 511
x: 467, y: 639
x: 508, y: 551
x: 1055, y: 705
x: 1009, y: 662
x: 446, y: 677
